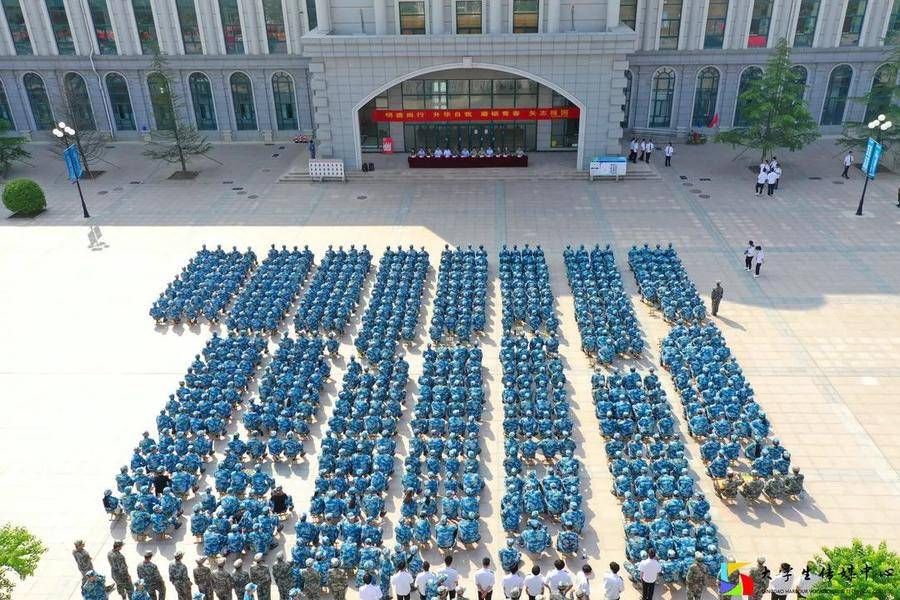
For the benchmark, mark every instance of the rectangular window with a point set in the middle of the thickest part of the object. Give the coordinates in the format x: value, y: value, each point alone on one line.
x: 412, y: 17
x: 311, y: 19
x: 670, y: 25
x: 525, y: 16
x: 106, y: 39
x: 806, y: 23
x: 853, y: 22
x: 146, y: 28
x: 190, y: 28
x: 59, y: 23
x: 715, y: 24
x: 17, y: 29
x: 231, y: 26
x: 563, y: 132
x: 894, y: 25
x: 275, y: 34
x: 628, y: 13
x: 468, y: 16
x: 760, y: 21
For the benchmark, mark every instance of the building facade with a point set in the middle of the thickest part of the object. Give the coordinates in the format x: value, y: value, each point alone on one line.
x: 545, y: 75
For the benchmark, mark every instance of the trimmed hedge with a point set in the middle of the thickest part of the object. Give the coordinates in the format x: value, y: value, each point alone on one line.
x: 24, y: 196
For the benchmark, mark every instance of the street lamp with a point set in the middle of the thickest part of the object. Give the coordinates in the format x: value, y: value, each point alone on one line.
x: 878, y: 126
x: 63, y: 131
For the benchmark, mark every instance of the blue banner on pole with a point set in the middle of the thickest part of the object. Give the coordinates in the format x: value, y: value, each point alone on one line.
x: 73, y: 163
x: 870, y: 160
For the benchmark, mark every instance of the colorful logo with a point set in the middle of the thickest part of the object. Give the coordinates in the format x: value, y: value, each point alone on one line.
x: 744, y: 584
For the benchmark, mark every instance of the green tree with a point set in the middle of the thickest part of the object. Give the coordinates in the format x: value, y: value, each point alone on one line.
x: 175, y: 140
x: 883, y: 99
x: 20, y: 552
x: 858, y: 571
x: 775, y: 113
x: 11, y: 149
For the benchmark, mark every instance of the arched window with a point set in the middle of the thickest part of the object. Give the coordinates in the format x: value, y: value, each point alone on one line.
x: 5, y: 113
x: 705, y: 97
x: 749, y: 75
x: 161, y: 101
x: 662, y: 91
x: 801, y: 75
x: 283, y: 93
x: 836, y: 95
x: 882, y: 91
x: 626, y: 108
x: 79, y: 102
x: 242, y: 98
x: 201, y: 98
x: 40, y: 103
x: 120, y: 101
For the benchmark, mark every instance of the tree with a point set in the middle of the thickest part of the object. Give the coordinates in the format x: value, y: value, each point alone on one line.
x: 24, y: 196
x: 857, y: 571
x: 20, y: 552
x: 177, y: 141
x: 883, y: 99
x: 11, y: 149
x: 774, y: 111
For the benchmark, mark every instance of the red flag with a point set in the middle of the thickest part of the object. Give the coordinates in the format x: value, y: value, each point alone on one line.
x: 714, y: 121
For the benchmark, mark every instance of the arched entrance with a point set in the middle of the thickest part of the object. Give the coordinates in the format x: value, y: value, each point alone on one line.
x: 471, y: 95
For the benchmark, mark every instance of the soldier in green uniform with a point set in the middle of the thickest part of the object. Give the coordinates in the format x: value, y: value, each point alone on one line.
x: 119, y: 569
x: 281, y: 573
x: 178, y: 575
x: 338, y: 580
x: 153, y: 580
x: 312, y: 583
x: 222, y: 581
x: 696, y: 578
x: 752, y: 488
x: 793, y: 483
x: 728, y: 488
x: 761, y: 577
x: 82, y: 560
x: 262, y: 577
x: 203, y: 578
x: 240, y: 578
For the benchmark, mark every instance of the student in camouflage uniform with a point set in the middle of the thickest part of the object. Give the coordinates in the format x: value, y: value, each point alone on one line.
x: 222, y: 581
x: 178, y: 575
x: 240, y: 578
x: 262, y: 577
x: 284, y: 578
x: 153, y: 581
x: 338, y: 580
x: 696, y: 578
x: 203, y: 578
x: 312, y: 582
x: 119, y: 570
x: 761, y: 577
x: 82, y: 559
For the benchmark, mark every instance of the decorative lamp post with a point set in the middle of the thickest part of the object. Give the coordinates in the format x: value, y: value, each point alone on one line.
x: 878, y: 126
x: 63, y: 131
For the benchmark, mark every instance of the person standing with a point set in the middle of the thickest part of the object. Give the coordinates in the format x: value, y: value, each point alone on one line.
x: 643, y: 148
x: 82, y: 560
x: 485, y: 580
x: 534, y: 583
x: 761, y: 577
x: 284, y: 579
x: 649, y: 569
x: 424, y: 579
x: 402, y: 582
x: 262, y: 577
x: 613, y: 584
x: 512, y: 583
x: 222, y: 581
x: 650, y: 148
x: 119, y: 570
x: 783, y: 583
x: 759, y: 259
x: 240, y: 578
x: 761, y: 179
x: 178, y: 576
x: 583, y: 583
x: 369, y: 591
x: 696, y: 578
x: 848, y: 162
x: 669, y: 151
x: 777, y: 171
x: 771, y: 180
x: 153, y: 580
x: 716, y: 297
x: 633, y: 150
x: 451, y: 577
x: 203, y: 578
x: 749, y: 253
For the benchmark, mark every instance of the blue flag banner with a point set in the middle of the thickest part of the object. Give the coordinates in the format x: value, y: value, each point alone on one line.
x: 870, y: 160
x: 73, y: 163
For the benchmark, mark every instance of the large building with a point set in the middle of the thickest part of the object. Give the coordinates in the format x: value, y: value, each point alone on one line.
x: 543, y: 75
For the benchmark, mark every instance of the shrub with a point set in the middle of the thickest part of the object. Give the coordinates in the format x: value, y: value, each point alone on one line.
x: 24, y: 196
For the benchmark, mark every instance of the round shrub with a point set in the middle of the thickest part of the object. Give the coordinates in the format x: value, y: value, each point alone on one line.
x: 24, y: 196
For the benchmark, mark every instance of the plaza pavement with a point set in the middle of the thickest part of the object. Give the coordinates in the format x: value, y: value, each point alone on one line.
x: 83, y: 369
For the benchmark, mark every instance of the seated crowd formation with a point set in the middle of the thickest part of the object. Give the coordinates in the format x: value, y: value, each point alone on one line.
x: 334, y: 292
x: 204, y: 286
x: 459, y: 304
x: 663, y: 282
x: 461, y: 152
x: 525, y: 290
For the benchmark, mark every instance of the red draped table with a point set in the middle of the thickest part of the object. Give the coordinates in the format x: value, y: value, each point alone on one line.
x: 459, y: 162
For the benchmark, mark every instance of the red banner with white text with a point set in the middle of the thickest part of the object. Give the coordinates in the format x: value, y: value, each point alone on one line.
x: 475, y: 114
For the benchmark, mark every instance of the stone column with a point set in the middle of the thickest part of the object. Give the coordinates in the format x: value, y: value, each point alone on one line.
x: 496, y: 16
x: 323, y: 15
x: 552, y: 16
x: 612, y: 14
x: 380, y: 17
x: 437, y: 17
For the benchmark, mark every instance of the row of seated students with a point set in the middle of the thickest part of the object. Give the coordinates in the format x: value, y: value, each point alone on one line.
x: 488, y: 152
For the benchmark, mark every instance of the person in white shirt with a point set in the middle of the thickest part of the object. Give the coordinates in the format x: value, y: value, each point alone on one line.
x: 771, y: 179
x: 848, y: 162
x: 484, y: 580
x: 760, y: 257
x: 402, y: 582
x: 633, y: 150
x: 451, y: 577
x: 438, y: 153
x: 534, y: 583
x: 424, y: 579
x: 807, y: 581
x: 777, y: 171
x: 369, y: 591
x: 464, y: 153
x: 749, y: 253
x: 669, y: 151
x: 783, y: 583
x: 773, y: 163
x: 649, y: 569
x: 613, y: 584
x: 583, y: 583
x: 489, y: 152
x: 643, y: 148
x: 512, y: 584
x: 761, y: 181
x: 650, y: 148
x: 558, y: 577
x: 447, y: 153
x: 421, y: 153
x: 764, y: 165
